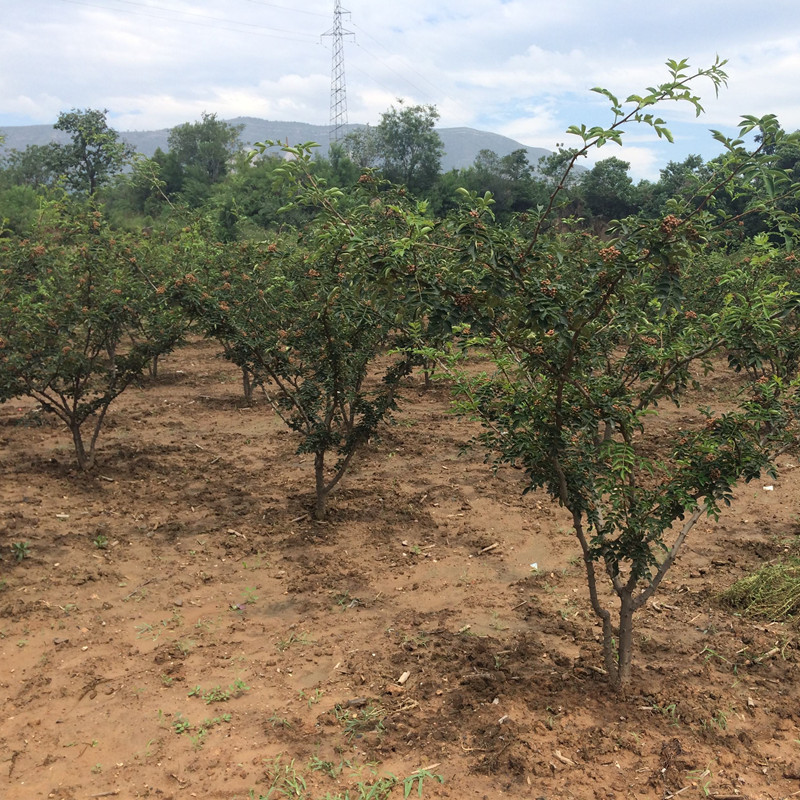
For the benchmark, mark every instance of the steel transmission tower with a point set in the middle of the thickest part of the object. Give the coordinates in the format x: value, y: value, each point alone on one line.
x: 338, y: 85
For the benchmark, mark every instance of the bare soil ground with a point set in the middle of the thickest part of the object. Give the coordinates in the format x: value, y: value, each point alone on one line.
x: 218, y: 641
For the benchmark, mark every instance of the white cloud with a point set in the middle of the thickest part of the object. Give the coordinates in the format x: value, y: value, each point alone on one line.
x: 523, y: 68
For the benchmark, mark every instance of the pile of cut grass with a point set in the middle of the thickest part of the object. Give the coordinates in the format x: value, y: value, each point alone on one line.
x: 773, y: 592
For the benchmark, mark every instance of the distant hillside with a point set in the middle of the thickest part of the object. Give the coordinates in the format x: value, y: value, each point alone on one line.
x: 461, y: 144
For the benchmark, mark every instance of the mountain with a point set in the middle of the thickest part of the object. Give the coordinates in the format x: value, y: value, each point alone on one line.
x: 461, y: 144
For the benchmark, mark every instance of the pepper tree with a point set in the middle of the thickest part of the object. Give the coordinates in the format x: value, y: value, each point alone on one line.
x: 588, y: 336
x: 298, y: 315
x: 80, y: 318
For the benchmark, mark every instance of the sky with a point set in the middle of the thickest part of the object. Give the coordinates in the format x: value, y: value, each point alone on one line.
x: 521, y: 68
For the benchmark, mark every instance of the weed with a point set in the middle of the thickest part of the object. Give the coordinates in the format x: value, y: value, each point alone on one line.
x: 250, y: 595
x: 316, y: 764
x: 312, y: 699
x: 703, y: 779
x: 417, y: 778
x: 146, y: 628
x: 20, y: 550
x: 184, y: 647
x: 286, y: 780
x: 100, y: 541
x: 496, y: 624
x: 279, y: 722
x: 180, y: 724
x: 97, y: 769
x: 357, y: 723
x: 216, y: 694
x: 258, y: 563
x: 710, y: 654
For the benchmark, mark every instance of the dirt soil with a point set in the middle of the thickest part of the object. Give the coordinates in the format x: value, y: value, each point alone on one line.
x: 181, y: 628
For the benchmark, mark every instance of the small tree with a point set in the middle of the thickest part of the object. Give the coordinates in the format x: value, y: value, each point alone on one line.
x: 588, y: 337
x: 298, y: 315
x: 80, y: 320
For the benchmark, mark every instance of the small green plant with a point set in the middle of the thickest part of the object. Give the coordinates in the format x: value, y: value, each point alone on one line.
x: 20, y: 550
x: 100, y: 541
x: 417, y: 778
x: 250, y: 595
x: 97, y: 769
x: 146, y: 628
x: 216, y: 694
x: 279, y: 722
x: 312, y: 699
x: 180, y: 724
x: 357, y: 723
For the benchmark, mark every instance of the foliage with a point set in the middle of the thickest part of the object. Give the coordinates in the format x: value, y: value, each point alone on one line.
x: 299, y: 316
x: 587, y: 337
x: 36, y: 167
x: 608, y: 190
x: 404, y: 146
x: 80, y: 319
x: 95, y: 152
x: 199, y: 156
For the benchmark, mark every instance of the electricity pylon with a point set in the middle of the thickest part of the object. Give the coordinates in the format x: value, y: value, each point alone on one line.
x: 338, y: 85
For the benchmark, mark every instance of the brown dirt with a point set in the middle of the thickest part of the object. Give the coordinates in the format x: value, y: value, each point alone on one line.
x: 212, y: 575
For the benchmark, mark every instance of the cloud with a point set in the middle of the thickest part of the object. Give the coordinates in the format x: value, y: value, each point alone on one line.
x: 519, y: 68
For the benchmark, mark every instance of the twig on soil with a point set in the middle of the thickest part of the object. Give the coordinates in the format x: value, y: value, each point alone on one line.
x: 519, y: 605
x: 214, y: 461
x: 104, y: 794
x: 139, y: 587
x: 563, y: 759
x: 675, y: 794
x: 490, y: 547
x: 297, y: 519
x: 106, y: 478
x: 472, y: 749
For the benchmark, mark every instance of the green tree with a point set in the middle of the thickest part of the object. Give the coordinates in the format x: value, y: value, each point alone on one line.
x: 588, y: 336
x: 199, y: 156
x: 81, y: 318
x: 37, y: 166
x: 95, y: 153
x: 608, y: 190
x: 404, y: 145
x: 298, y: 314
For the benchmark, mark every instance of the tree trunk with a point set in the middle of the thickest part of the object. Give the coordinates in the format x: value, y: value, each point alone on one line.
x: 247, y: 385
x: 320, y: 506
x: 85, y: 460
x: 625, y: 641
